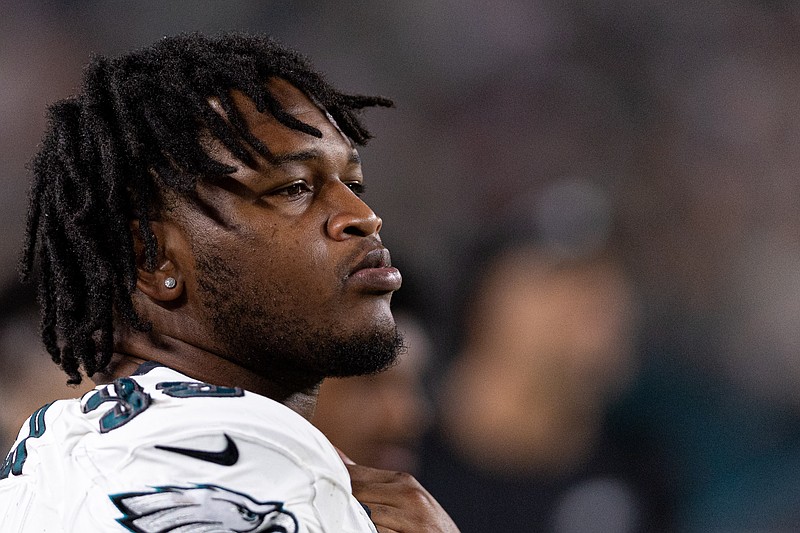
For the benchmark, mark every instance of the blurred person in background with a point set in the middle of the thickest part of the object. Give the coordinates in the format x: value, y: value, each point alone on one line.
x: 548, y: 345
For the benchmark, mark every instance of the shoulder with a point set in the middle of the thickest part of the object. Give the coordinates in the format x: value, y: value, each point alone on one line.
x: 163, y: 408
x: 151, y: 444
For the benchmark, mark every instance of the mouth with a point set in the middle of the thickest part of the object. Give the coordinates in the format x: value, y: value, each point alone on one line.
x: 378, y: 258
x: 374, y: 274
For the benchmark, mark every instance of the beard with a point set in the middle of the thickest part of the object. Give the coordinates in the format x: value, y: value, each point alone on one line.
x: 271, y: 339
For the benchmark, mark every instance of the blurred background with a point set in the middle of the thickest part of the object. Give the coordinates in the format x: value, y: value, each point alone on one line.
x: 596, y: 207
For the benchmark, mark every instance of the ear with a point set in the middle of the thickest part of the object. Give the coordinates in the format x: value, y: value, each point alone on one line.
x: 157, y: 283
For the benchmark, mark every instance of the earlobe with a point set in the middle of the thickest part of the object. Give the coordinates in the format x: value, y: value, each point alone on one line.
x: 164, y: 283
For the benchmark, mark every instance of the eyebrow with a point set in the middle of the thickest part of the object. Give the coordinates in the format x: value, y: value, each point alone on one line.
x: 306, y: 155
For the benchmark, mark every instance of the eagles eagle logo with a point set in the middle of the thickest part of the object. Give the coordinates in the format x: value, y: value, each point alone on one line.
x: 201, y: 509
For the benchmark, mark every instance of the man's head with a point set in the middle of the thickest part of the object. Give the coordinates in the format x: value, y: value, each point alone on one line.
x: 234, y: 164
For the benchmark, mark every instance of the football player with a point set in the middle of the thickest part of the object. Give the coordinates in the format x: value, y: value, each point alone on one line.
x: 202, y: 252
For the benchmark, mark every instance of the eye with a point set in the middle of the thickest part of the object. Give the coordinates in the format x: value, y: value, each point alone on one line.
x: 293, y: 190
x: 247, y: 514
x: 357, y: 187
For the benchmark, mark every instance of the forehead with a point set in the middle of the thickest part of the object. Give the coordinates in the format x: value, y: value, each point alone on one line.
x: 333, y: 152
x: 282, y: 139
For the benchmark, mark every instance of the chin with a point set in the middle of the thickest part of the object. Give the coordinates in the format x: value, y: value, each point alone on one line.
x: 366, y: 352
x: 375, y: 313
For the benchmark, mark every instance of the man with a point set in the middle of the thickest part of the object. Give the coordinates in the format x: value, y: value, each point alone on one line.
x: 204, y: 256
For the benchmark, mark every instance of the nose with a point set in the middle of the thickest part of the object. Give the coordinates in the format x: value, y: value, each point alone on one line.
x: 350, y: 216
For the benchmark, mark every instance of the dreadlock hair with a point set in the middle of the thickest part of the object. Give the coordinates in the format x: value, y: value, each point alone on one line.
x: 137, y: 127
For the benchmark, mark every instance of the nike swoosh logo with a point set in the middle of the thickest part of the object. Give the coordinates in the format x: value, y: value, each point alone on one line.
x: 226, y: 457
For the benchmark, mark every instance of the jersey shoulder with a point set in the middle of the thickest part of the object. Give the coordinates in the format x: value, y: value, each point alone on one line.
x: 162, y: 439
x: 162, y: 408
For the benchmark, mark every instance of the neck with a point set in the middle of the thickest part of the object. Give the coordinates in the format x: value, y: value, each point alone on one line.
x: 135, y: 348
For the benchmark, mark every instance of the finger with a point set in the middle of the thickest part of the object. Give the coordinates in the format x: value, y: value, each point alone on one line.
x: 397, y: 501
x: 387, y: 515
x: 382, y: 486
x: 410, y: 518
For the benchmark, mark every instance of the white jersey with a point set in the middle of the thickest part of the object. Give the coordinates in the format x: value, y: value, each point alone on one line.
x: 159, y: 451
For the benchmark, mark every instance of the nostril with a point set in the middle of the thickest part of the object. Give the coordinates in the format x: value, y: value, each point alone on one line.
x: 355, y: 230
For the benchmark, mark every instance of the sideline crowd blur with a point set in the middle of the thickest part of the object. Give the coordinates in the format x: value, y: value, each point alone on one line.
x: 600, y: 206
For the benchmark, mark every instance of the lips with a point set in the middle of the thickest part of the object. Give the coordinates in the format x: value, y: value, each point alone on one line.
x: 378, y: 258
x: 374, y: 273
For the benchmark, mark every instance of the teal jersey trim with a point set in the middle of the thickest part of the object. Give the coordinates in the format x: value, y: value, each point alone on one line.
x: 19, y: 454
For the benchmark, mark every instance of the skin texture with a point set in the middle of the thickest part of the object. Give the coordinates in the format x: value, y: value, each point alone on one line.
x: 265, y: 256
x: 272, y: 294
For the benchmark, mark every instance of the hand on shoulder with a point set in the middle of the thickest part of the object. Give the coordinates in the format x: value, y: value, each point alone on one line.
x: 398, y: 503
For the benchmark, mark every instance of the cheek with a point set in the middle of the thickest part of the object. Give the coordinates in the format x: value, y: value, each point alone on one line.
x: 297, y: 238
x: 316, y: 255
x: 300, y: 271
x: 284, y: 263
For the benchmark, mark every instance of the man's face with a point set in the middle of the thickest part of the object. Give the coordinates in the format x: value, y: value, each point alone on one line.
x: 286, y: 270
